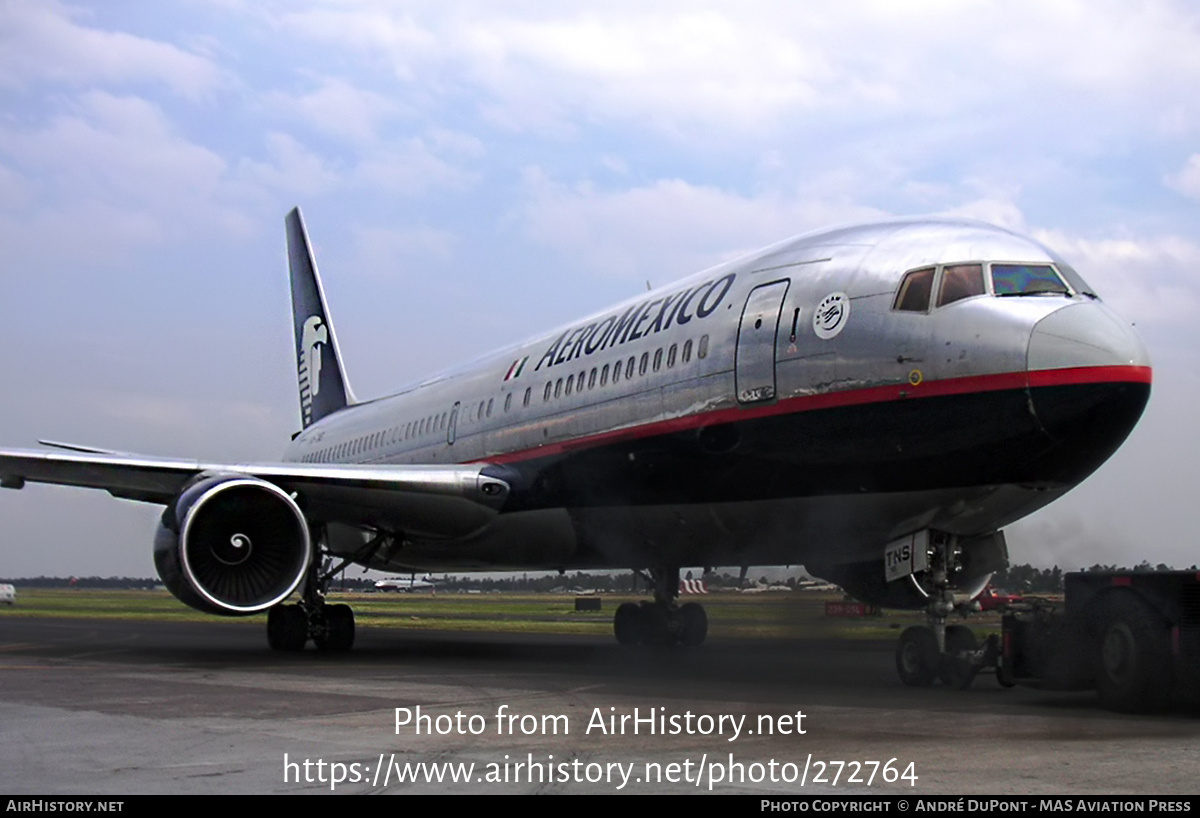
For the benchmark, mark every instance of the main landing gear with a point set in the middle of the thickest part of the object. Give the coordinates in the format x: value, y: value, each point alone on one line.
x: 330, y: 627
x: 663, y: 621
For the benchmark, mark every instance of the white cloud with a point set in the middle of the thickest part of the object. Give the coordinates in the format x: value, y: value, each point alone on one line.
x: 1003, y: 212
x: 401, y: 252
x: 408, y: 167
x: 664, y: 69
x: 339, y: 108
x: 1083, y: 67
x: 1148, y: 279
x: 1187, y: 180
x: 381, y: 32
x: 114, y: 148
x: 107, y: 174
x: 290, y: 168
x: 669, y: 227
x: 41, y: 40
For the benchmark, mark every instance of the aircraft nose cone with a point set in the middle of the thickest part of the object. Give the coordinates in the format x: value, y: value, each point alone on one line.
x: 1088, y: 334
x: 1089, y: 380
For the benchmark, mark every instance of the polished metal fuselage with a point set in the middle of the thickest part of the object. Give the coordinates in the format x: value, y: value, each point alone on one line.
x: 739, y: 391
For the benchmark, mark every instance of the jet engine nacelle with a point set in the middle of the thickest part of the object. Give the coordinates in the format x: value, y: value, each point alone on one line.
x: 232, y: 545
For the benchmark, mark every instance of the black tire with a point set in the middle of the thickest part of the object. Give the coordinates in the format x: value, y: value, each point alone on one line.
x: 339, y: 629
x: 287, y: 628
x: 954, y: 667
x: 917, y: 656
x: 694, y: 628
x: 656, y: 625
x: 1132, y: 655
x: 627, y: 624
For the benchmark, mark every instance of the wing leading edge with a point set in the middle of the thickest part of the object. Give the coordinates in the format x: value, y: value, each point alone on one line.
x: 440, y: 501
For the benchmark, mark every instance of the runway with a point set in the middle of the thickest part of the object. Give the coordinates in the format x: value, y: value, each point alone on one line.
x: 128, y: 707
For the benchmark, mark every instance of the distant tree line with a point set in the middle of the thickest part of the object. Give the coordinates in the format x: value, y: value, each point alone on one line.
x: 137, y: 583
x: 537, y: 582
x: 1020, y: 578
x: 613, y: 581
x: 1026, y: 578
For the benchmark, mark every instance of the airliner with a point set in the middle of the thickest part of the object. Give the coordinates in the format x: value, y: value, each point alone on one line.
x: 875, y: 402
x: 406, y: 584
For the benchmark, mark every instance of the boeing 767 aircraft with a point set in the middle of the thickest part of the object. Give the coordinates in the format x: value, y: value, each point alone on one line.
x: 874, y: 402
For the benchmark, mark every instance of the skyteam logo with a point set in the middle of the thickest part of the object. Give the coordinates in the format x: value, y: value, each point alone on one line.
x: 313, y: 336
x: 830, y: 316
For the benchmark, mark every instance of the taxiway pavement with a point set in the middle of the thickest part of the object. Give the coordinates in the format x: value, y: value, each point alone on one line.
x: 127, y: 707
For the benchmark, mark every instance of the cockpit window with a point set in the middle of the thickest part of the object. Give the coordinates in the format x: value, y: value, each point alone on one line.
x: 1027, y: 279
x: 960, y: 281
x: 915, y: 290
x: 1076, y: 280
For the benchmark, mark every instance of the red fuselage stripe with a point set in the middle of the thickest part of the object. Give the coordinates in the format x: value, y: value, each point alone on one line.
x: 832, y: 400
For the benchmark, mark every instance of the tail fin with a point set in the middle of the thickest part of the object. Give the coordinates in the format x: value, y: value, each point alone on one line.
x: 324, y: 388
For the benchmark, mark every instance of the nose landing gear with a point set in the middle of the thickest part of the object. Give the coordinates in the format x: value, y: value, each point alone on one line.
x: 938, y: 651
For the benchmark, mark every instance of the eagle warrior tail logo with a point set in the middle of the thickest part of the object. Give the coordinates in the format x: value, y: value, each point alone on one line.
x: 314, y: 336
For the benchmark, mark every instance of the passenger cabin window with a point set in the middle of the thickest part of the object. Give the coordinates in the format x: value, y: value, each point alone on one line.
x: 1027, y: 279
x: 960, y: 281
x: 915, y: 290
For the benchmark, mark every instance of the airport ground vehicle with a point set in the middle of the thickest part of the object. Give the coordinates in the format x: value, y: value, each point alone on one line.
x: 8, y: 594
x: 996, y: 599
x: 1133, y: 636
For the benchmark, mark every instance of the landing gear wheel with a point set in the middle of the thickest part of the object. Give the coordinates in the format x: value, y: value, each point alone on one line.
x: 694, y: 623
x: 287, y: 628
x: 339, y: 629
x: 1132, y: 656
x: 1005, y: 675
x: 656, y: 624
x: 661, y: 623
x: 917, y: 657
x: 627, y: 624
x: 954, y: 666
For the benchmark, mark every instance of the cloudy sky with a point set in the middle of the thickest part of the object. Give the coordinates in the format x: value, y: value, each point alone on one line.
x: 474, y: 172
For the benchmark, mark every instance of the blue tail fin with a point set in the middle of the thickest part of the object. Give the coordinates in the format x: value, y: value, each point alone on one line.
x: 324, y: 388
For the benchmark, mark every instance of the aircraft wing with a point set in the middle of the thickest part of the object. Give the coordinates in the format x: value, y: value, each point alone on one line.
x: 433, y: 500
